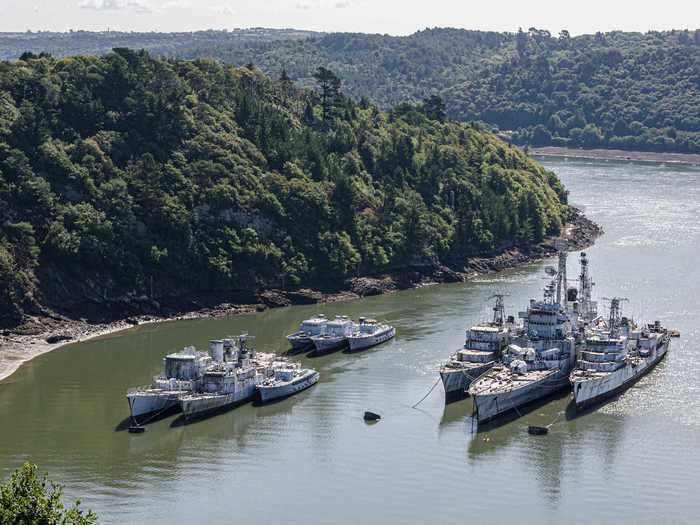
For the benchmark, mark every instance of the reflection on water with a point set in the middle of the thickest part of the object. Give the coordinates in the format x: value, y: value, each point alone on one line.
x: 312, y: 454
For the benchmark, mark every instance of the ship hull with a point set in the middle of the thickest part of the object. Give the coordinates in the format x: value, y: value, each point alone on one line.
x: 322, y: 346
x: 203, y: 404
x: 456, y: 381
x: 148, y: 404
x: 362, y: 343
x: 491, y: 406
x: 300, y: 343
x: 592, y: 392
x: 271, y: 393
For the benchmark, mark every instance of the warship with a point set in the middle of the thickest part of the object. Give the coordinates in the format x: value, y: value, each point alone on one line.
x: 616, y: 355
x: 334, y: 336
x: 368, y: 333
x: 301, y: 339
x: 287, y: 380
x: 182, y: 372
x: 232, y: 380
x: 539, y: 360
x: 482, y: 349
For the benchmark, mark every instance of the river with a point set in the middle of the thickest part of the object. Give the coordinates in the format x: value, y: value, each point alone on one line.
x: 312, y: 459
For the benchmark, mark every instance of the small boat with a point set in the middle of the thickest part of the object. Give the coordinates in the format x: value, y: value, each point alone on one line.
x: 368, y: 333
x: 335, y: 335
x: 301, y: 339
x: 287, y: 380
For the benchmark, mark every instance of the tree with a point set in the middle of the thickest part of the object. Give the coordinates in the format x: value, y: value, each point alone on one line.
x: 329, y: 84
x: 434, y: 108
x: 26, y: 499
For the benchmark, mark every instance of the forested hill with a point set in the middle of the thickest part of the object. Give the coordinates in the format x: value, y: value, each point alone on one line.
x: 125, y: 176
x: 620, y: 90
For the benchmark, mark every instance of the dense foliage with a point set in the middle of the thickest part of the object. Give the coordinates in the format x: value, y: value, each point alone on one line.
x: 25, y: 499
x: 125, y: 174
x: 622, y: 90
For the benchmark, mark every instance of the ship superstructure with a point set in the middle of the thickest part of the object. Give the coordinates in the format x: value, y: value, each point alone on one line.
x: 335, y: 335
x: 537, y: 363
x: 482, y: 349
x: 182, y: 372
x: 232, y: 380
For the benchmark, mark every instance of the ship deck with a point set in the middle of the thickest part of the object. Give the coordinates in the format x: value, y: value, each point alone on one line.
x: 507, y: 382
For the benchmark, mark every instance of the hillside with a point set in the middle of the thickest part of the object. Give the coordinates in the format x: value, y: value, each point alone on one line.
x: 619, y: 90
x: 127, y: 176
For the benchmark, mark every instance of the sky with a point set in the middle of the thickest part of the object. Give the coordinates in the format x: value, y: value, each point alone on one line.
x: 396, y: 17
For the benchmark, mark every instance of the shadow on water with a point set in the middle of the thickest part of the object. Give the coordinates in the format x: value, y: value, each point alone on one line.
x: 128, y: 421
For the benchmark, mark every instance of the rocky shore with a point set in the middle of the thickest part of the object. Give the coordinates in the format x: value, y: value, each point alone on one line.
x: 42, y: 333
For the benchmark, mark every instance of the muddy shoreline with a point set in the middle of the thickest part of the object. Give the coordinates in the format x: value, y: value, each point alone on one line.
x: 39, y: 335
x: 692, y: 159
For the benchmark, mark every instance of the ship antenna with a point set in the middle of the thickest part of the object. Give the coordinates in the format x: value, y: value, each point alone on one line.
x: 498, y: 309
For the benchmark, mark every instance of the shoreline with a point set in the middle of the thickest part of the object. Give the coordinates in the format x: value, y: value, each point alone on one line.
x: 689, y: 159
x: 21, y: 345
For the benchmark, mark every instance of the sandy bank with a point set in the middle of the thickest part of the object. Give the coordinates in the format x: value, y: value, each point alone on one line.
x: 616, y: 154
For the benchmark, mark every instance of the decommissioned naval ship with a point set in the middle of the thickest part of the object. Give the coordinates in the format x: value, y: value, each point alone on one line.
x: 301, y: 339
x: 182, y: 372
x: 286, y: 381
x: 616, y: 355
x: 231, y: 381
x: 482, y: 349
x: 368, y: 333
x: 539, y: 361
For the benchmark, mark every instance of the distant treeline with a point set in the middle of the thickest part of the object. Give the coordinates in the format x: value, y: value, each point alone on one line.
x: 619, y: 90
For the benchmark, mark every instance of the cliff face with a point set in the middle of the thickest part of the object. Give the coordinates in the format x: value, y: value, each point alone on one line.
x: 134, y: 185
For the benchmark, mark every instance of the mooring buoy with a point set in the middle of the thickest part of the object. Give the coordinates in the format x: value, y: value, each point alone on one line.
x: 371, y: 416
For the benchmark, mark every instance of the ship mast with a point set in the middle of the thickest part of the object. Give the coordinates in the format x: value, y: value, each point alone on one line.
x: 498, y: 310
x: 586, y: 289
x: 562, y: 247
x: 615, y: 317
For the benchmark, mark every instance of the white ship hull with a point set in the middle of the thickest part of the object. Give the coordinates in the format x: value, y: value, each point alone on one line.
x: 364, y: 341
x: 272, y: 392
x: 153, y: 401
x: 491, y: 406
x: 199, y: 404
x: 588, y: 392
x: 456, y: 381
x: 329, y: 344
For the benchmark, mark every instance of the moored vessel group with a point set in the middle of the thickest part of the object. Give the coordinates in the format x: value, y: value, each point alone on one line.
x: 560, y: 343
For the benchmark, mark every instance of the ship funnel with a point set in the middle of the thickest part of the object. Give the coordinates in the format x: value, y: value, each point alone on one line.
x: 216, y: 350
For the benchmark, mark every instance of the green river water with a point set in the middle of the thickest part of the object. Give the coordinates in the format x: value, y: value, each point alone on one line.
x: 312, y: 459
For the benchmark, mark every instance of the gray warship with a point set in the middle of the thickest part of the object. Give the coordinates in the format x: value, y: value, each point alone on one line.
x: 482, y: 349
x: 539, y: 360
x: 617, y: 353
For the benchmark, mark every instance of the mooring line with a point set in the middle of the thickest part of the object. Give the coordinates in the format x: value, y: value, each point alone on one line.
x: 426, y: 395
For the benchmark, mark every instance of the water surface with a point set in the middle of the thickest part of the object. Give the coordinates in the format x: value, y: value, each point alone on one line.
x: 311, y: 458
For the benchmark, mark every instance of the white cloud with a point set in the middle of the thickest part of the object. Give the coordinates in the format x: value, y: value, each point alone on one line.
x: 136, y: 6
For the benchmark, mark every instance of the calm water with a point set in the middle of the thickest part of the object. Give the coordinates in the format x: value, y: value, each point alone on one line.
x: 311, y: 458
